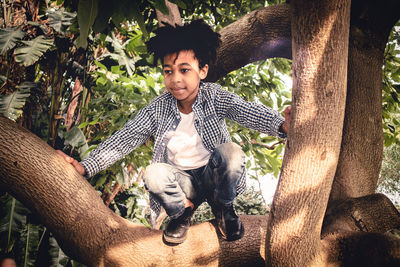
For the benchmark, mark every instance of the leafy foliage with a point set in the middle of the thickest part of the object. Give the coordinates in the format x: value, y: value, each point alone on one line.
x: 391, y: 89
x: 9, y: 38
x: 87, y: 13
x: 11, y: 105
x: 60, y: 19
x: 33, y: 50
x: 389, y: 182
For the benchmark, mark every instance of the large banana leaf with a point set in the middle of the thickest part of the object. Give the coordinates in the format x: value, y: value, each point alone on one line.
x: 87, y: 12
x: 60, y: 20
x: 120, y: 54
x: 32, y: 50
x: 11, y: 105
x: 9, y: 38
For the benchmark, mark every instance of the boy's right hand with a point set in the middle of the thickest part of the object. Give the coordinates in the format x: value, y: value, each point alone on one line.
x: 78, y: 167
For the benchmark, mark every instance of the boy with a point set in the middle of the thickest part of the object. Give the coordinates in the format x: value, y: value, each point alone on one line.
x: 194, y: 159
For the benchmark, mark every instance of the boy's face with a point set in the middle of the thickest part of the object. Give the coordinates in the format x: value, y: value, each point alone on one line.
x: 182, y: 75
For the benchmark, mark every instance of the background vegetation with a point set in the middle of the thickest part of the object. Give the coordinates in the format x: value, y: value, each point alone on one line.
x: 74, y: 86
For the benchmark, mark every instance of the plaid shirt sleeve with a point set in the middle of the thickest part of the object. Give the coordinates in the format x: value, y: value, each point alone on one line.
x: 134, y: 133
x: 249, y: 114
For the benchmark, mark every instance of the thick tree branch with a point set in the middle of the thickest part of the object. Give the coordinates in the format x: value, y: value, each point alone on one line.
x: 90, y: 232
x: 261, y: 34
x: 372, y: 213
x: 173, y: 17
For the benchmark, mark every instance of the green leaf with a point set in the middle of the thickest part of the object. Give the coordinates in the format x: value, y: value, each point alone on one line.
x: 120, y: 54
x: 60, y: 20
x: 87, y: 12
x: 100, y: 65
x: 32, y: 50
x: 75, y: 138
x: 161, y: 6
x: 179, y: 3
x: 11, y: 105
x: 9, y: 38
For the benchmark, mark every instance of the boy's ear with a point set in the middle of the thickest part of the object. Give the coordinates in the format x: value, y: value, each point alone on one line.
x: 204, y: 71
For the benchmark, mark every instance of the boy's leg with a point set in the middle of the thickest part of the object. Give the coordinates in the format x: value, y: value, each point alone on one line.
x: 172, y: 188
x: 221, y: 177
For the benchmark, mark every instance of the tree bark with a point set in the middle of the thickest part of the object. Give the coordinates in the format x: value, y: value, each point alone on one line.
x: 91, y: 233
x: 172, y: 18
x: 320, y: 31
x: 269, y: 31
x: 362, y: 145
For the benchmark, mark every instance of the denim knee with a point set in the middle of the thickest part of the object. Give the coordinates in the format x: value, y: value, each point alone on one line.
x: 156, y: 176
x: 230, y: 156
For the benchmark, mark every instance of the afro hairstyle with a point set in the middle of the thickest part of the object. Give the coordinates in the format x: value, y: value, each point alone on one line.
x: 196, y: 36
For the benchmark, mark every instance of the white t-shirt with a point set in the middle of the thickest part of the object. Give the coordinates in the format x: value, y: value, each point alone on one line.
x: 184, y: 149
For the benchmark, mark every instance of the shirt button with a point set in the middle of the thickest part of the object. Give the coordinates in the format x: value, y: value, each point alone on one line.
x: 173, y: 126
x: 163, y: 144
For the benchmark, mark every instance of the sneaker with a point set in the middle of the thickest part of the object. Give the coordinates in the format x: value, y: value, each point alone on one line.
x: 229, y: 224
x: 176, y: 231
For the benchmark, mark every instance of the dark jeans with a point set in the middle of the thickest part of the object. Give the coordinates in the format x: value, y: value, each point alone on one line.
x: 216, y: 181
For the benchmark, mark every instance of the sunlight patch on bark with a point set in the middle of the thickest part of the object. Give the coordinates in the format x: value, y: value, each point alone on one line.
x: 291, y: 227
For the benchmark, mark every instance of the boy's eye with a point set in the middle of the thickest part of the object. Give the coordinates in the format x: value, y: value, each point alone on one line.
x: 184, y: 70
x: 167, y: 71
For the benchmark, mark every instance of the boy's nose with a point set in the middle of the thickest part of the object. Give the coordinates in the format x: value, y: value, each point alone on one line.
x: 176, y: 77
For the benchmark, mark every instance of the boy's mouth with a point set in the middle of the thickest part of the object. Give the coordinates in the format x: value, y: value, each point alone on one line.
x: 177, y: 89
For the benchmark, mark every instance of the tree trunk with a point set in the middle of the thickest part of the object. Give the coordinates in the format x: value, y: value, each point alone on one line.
x: 361, y: 152
x: 320, y: 31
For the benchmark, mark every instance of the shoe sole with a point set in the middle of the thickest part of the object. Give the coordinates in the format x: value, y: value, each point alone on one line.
x: 174, y: 240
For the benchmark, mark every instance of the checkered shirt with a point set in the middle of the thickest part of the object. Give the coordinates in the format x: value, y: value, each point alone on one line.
x: 212, y: 106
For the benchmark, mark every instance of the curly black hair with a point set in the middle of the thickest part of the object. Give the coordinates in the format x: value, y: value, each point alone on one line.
x: 196, y: 36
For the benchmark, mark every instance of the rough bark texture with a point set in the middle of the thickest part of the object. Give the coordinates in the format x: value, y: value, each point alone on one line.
x: 372, y: 213
x: 361, y: 152
x: 269, y: 31
x: 320, y: 31
x: 90, y: 232
x: 173, y: 17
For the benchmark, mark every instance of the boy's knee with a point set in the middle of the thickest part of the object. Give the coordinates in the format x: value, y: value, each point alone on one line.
x: 156, y: 176
x: 231, y: 153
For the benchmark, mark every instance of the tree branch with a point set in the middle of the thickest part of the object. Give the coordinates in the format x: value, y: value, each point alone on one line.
x: 261, y: 34
x: 90, y: 232
x: 173, y: 17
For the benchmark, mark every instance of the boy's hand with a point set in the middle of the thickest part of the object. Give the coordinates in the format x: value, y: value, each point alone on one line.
x: 78, y: 167
x: 286, y: 124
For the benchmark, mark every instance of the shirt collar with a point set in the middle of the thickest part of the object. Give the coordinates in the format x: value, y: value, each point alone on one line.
x: 199, y: 97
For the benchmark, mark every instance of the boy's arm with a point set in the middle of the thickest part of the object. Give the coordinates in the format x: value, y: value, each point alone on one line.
x: 134, y: 133
x: 286, y: 125
x: 253, y: 115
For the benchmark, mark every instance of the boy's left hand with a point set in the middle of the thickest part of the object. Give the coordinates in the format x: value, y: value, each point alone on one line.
x: 286, y: 124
